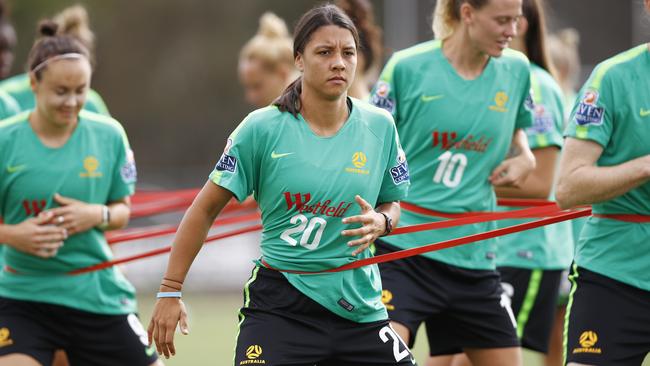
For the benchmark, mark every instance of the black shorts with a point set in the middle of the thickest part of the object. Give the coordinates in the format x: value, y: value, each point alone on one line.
x: 608, y: 321
x: 461, y: 308
x: 534, y: 302
x: 38, y: 329
x: 279, y: 325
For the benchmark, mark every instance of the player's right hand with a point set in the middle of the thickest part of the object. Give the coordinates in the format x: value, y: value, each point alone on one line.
x: 37, y: 236
x: 167, y: 314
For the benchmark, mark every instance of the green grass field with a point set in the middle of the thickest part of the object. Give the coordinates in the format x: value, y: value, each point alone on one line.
x: 213, y: 326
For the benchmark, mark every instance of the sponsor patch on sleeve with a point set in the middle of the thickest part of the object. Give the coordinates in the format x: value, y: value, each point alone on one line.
x: 543, y: 121
x: 400, y: 172
x: 588, y: 112
x: 380, y: 97
x: 227, y: 162
x: 128, y: 171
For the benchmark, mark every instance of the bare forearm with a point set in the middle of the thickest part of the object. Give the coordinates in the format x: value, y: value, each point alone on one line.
x: 593, y: 184
x: 193, y: 229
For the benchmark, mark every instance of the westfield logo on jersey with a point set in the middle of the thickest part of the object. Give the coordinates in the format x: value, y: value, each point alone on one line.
x: 449, y: 140
x: 325, y: 208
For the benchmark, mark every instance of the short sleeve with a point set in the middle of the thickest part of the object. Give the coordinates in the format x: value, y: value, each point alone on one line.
x: 396, y: 180
x: 384, y: 94
x: 525, y: 111
x: 125, y: 173
x: 547, y: 123
x: 235, y: 170
x: 592, y: 115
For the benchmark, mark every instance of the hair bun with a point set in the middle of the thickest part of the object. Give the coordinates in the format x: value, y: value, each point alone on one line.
x: 272, y: 26
x: 47, y: 28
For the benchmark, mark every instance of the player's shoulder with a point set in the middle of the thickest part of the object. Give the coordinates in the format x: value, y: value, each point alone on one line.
x: 545, y: 80
x: 377, y: 120
x: 14, y: 122
x: 513, y: 60
x: 619, y: 67
x: 412, y: 56
x: 102, y: 123
x: 15, y: 83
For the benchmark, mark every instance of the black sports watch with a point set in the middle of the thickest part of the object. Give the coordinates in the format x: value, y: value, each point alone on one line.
x: 389, y: 224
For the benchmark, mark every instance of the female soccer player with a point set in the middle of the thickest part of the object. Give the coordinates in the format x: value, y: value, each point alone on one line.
x: 460, y: 102
x: 72, y: 21
x: 370, y: 54
x: 606, y: 163
x: 531, y: 263
x: 66, y: 177
x: 266, y: 62
x: 307, y: 159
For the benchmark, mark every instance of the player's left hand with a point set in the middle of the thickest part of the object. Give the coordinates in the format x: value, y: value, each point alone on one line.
x: 373, y: 226
x: 513, y: 172
x: 75, y: 216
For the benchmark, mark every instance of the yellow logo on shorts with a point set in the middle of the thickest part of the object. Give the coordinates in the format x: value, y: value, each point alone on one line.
x: 500, y: 100
x: 253, y: 354
x: 386, y: 297
x: 90, y: 165
x: 588, y: 340
x: 5, y: 337
x: 359, y: 160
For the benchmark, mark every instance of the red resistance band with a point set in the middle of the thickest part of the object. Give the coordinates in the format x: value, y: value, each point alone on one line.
x: 559, y: 217
x: 625, y: 217
x: 528, y: 212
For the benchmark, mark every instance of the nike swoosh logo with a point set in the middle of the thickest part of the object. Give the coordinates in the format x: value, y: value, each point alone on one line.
x: 276, y: 156
x: 644, y: 112
x: 13, y: 169
x: 429, y: 98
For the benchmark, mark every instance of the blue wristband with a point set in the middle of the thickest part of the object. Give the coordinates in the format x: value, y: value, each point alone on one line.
x: 162, y: 295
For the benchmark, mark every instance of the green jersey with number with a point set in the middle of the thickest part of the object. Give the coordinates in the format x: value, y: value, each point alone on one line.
x: 305, y: 185
x: 455, y: 133
x: 96, y: 166
x: 614, y: 111
x: 19, y: 88
x: 549, y: 247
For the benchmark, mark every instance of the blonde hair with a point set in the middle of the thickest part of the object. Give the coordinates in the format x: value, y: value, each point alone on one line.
x: 446, y: 16
x: 563, y: 49
x: 73, y: 21
x: 272, y: 45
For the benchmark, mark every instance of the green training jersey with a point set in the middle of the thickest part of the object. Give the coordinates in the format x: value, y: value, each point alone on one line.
x: 455, y: 133
x: 305, y: 185
x: 96, y: 166
x: 614, y: 111
x: 8, y: 105
x: 19, y: 88
x: 549, y: 247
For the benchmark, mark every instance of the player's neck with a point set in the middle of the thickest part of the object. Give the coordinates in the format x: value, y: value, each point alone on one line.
x: 519, y: 44
x: 51, y: 134
x: 324, y: 116
x: 468, y: 61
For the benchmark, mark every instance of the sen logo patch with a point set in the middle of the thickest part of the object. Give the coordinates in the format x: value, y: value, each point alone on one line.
x: 400, y: 172
x: 587, y: 112
x: 227, y: 163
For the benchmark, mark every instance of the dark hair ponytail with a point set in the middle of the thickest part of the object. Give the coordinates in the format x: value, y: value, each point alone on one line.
x: 310, y: 22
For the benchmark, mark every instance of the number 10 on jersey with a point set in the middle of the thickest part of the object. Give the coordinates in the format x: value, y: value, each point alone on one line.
x: 451, y: 168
